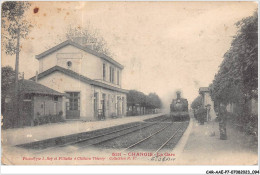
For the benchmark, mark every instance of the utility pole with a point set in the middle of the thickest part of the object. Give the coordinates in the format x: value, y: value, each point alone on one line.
x: 16, y: 99
x: 17, y: 51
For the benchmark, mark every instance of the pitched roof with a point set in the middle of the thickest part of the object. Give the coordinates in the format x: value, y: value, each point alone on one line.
x: 31, y: 87
x: 86, y: 49
x: 78, y: 77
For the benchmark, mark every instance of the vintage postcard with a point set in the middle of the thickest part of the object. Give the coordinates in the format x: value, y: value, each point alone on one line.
x: 129, y: 83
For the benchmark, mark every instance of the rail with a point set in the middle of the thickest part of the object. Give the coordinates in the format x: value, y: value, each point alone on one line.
x: 134, y: 127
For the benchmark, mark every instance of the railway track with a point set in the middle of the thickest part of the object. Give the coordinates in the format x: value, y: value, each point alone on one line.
x: 103, y: 137
x: 153, y: 136
x: 166, y: 142
x: 135, y: 144
x: 151, y: 130
x: 107, y: 138
x: 139, y: 140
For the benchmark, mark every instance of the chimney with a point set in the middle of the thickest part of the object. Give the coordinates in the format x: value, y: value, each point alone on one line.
x: 36, y: 77
x: 178, y: 95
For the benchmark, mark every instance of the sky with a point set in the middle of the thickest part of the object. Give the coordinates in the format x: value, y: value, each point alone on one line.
x: 164, y: 46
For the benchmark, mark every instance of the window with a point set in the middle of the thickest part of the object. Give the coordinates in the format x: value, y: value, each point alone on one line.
x: 74, y: 101
x: 112, y: 74
x: 43, y: 106
x: 103, y: 102
x: 55, y: 108
x: 95, y: 104
x: 55, y: 98
x: 104, y: 71
x: 118, y: 78
x: 69, y: 63
x: 108, y: 101
x: 27, y: 97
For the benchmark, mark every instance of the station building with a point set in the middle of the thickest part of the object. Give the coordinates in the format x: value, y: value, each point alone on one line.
x: 91, y: 81
x: 35, y: 100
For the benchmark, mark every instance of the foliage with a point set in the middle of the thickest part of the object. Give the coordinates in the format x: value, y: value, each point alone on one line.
x: 40, y: 120
x: 237, y: 78
x: 133, y: 97
x: 14, y: 25
x: 201, y: 115
x: 197, y: 103
x: 86, y: 37
x: 153, y: 101
x: 138, y: 98
x: 8, y: 77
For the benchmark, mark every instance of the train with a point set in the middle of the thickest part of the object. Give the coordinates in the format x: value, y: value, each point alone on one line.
x: 179, y: 108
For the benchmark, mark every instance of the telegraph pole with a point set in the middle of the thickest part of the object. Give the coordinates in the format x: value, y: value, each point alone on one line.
x: 16, y: 99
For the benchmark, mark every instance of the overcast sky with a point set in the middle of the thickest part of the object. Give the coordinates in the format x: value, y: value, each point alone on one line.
x: 164, y: 46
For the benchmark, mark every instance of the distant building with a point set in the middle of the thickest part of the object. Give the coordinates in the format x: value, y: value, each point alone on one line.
x: 207, y: 102
x: 35, y: 100
x: 91, y: 81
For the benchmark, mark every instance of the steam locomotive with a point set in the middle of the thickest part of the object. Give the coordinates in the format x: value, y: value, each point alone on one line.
x: 179, y: 108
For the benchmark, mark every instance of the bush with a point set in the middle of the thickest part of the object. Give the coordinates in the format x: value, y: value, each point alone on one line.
x: 53, y: 118
x: 249, y: 124
x: 6, y: 123
x: 251, y: 127
x: 35, y: 122
x: 40, y: 120
x: 201, y: 115
x: 113, y: 115
x: 60, y: 113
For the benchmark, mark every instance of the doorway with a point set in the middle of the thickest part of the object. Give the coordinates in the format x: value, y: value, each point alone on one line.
x: 95, y: 105
x: 73, y: 105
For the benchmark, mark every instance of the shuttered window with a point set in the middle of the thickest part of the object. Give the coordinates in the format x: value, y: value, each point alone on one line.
x: 104, y: 71
x: 112, y: 74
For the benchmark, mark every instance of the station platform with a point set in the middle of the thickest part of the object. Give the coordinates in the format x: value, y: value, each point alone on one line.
x: 16, y: 136
x: 199, y: 146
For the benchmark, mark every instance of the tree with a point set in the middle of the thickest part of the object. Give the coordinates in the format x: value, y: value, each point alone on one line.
x: 15, y: 27
x: 237, y: 77
x: 200, y: 113
x: 132, y: 97
x: 246, y: 43
x: 139, y: 99
x: 133, y: 100
x: 8, y: 78
x: 154, y: 101
x: 86, y: 37
x: 197, y: 103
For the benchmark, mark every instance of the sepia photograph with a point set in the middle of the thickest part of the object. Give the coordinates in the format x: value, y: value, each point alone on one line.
x: 129, y: 83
